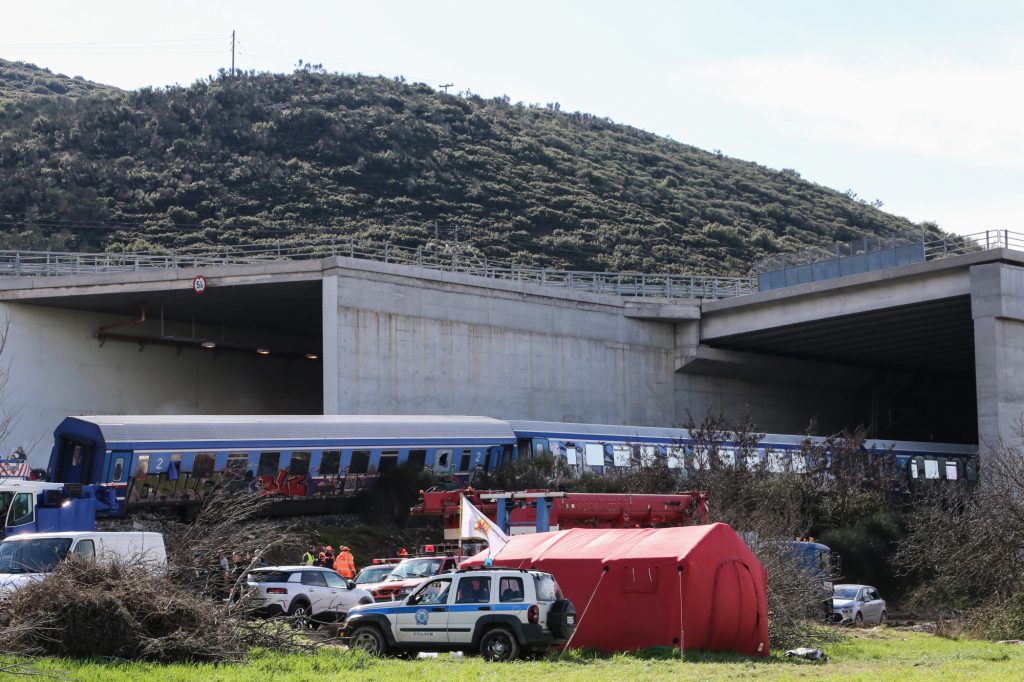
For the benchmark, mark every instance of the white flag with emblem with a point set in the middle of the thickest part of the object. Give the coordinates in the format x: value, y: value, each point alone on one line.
x: 473, y: 525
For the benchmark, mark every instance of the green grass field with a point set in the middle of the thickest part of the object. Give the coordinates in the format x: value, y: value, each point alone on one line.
x: 873, y: 655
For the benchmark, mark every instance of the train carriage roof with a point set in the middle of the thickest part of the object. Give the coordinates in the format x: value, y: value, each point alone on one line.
x: 582, y: 431
x: 284, y: 431
x: 653, y: 434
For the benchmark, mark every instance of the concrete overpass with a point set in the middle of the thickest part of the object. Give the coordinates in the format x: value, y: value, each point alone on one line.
x: 926, y: 351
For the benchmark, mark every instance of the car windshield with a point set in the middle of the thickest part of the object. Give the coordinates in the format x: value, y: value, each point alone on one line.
x: 415, y: 568
x: 845, y: 592
x: 373, y: 574
x: 32, y: 556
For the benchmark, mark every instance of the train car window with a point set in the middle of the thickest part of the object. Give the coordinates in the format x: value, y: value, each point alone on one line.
x: 676, y: 457
x: 541, y: 446
x: 594, y: 454
x: 727, y: 457
x: 388, y: 461
x: 752, y: 460
x: 142, y: 467
x: 330, y: 461
x: 443, y: 460
x: 621, y: 455
x: 798, y: 463
x: 648, y: 455
x: 951, y: 472
x: 118, y: 469
x: 465, y: 460
x: 931, y: 468
x: 418, y: 458
x: 174, y: 467
x: 237, y: 466
x: 203, y: 464
x: 269, y: 464
x: 360, y: 462
x: 299, y: 464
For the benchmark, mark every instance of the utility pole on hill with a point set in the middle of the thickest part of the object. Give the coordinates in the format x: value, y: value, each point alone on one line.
x: 232, y: 52
x: 445, y: 87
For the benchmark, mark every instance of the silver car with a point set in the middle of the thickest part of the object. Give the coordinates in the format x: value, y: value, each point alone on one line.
x: 309, y: 594
x: 857, y: 605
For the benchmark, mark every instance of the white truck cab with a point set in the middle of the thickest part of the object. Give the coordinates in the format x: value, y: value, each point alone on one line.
x: 30, y: 556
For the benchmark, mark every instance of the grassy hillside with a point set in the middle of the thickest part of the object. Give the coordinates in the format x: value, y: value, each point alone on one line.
x: 264, y: 157
x: 18, y: 79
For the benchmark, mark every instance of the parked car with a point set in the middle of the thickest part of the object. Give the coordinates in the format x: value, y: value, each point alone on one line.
x: 30, y: 556
x: 857, y: 605
x: 373, y: 574
x: 309, y: 594
x: 410, y: 574
x: 499, y: 613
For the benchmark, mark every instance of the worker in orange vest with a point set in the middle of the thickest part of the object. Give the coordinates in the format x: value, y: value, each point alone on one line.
x: 345, y: 564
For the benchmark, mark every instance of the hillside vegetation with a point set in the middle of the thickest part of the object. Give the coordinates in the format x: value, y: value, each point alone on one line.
x: 263, y: 157
x: 19, y: 80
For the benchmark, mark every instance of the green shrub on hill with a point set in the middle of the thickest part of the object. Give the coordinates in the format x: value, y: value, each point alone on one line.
x: 262, y: 157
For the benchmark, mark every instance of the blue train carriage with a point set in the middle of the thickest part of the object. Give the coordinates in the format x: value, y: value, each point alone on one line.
x: 171, y: 460
x: 601, y: 448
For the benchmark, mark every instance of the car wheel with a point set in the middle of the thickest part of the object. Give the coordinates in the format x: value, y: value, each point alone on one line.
x: 369, y: 640
x: 883, y: 619
x: 499, y: 644
x: 300, y: 615
x: 858, y: 620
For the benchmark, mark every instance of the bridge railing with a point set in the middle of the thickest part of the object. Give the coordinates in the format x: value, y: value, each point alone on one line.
x: 874, y: 253
x: 440, y: 256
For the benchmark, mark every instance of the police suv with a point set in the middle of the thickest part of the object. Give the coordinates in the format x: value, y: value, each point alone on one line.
x: 499, y: 612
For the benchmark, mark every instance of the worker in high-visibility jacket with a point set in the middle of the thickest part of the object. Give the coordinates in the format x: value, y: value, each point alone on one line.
x: 345, y: 564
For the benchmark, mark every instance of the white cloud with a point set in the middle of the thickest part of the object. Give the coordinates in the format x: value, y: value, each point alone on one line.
x: 970, y: 114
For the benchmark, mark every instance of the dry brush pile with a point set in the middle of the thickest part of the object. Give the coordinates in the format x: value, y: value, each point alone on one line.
x: 101, y: 609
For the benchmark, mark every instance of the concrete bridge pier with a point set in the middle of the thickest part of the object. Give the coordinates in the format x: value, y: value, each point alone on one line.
x: 997, y: 307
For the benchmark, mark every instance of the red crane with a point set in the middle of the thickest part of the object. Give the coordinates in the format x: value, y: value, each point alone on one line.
x: 567, y: 510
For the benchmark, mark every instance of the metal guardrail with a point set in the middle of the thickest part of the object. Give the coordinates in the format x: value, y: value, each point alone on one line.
x: 950, y: 245
x: 448, y: 257
x: 874, y: 253
x: 444, y: 257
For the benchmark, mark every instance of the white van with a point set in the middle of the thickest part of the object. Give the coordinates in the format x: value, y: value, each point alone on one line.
x: 28, y: 557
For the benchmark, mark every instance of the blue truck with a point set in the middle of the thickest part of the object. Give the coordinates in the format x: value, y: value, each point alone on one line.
x: 31, y: 506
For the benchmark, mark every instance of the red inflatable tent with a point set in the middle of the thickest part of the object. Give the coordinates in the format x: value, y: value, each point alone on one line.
x: 695, y: 587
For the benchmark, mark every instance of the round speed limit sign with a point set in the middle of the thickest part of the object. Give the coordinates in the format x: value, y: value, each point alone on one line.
x: 199, y: 284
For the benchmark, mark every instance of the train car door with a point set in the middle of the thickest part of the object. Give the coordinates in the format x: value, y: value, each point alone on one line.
x: 117, y: 467
x: 74, y: 463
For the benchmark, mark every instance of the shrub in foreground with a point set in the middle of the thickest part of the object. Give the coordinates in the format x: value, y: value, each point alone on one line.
x: 86, y: 609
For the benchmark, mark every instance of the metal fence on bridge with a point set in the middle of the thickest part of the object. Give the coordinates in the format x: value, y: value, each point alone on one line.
x: 445, y: 258
x: 874, y: 253
x: 780, y: 270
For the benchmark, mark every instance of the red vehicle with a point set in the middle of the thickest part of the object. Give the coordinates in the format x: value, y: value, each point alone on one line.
x: 568, y: 510
x: 409, y: 572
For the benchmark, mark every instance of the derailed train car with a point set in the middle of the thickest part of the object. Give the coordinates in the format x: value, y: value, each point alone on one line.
x: 308, y: 463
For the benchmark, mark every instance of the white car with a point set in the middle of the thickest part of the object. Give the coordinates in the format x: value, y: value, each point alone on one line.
x: 857, y: 605
x: 500, y: 613
x: 309, y: 594
x: 30, y: 557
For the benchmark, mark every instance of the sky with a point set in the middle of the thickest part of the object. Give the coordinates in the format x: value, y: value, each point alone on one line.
x: 917, y: 104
